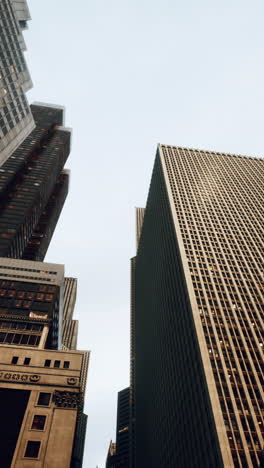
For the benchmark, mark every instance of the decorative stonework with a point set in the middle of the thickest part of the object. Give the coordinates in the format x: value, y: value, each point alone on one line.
x: 34, y: 378
x: 72, y: 381
x: 20, y: 377
x: 67, y: 399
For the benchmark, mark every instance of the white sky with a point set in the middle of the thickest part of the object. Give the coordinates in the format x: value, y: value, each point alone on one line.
x: 133, y: 73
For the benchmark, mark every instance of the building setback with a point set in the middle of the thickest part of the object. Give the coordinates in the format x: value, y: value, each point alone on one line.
x: 33, y: 186
x: 198, y: 313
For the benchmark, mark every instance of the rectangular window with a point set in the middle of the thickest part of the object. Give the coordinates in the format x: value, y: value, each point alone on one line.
x: 2, y: 337
x: 66, y: 364
x: 32, y: 340
x: 49, y: 297
x: 44, y: 399
x: 38, y: 423
x: 24, y: 339
x: 30, y: 295
x: 47, y: 363
x: 14, y: 359
x: 16, y: 338
x: 40, y: 297
x: 9, y: 337
x: 56, y: 363
x: 27, y: 361
x: 32, y: 449
x: 20, y: 294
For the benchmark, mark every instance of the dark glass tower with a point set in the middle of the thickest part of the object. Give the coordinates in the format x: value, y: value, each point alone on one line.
x: 33, y: 187
x: 122, y: 429
x: 118, y: 454
x: 198, y: 313
x: 16, y: 119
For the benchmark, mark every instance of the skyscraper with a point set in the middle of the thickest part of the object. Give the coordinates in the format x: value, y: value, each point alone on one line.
x: 16, y: 120
x: 33, y: 186
x: 198, y: 312
x: 42, y: 375
x: 118, y: 453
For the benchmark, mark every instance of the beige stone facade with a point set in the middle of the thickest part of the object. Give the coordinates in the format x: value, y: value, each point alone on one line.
x: 63, y: 384
x: 41, y: 385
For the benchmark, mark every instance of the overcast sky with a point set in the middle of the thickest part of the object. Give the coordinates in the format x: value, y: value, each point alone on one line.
x: 133, y: 73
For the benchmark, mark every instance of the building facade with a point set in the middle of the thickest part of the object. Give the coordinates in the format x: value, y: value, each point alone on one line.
x: 198, y: 306
x: 118, y: 453
x: 16, y: 119
x: 41, y: 385
x: 111, y: 456
x: 33, y: 186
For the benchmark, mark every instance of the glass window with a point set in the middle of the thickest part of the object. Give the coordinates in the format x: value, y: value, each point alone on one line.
x: 44, y: 399
x: 20, y: 294
x: 16, y: 338
x: 2, y: 337
x: 14, y: 359
x: 27, y: 361
x: 32, y: 449
x: 40, y: 297
x: 66, y: 364
x: 30, y: 295
x: 47, y: 363
x: 38, y: 422
x: 49, y: 297
x: 9, y: 337
x: 24, y: 339
x: 56, y: 363
x: 32, y: 340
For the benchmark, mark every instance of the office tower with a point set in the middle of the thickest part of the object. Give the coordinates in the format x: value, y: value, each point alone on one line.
x: 118, y: 453
x: 122, y: 429
x: 33, y: 186
x: 16, y: 120
x: 111, y: 455
x: 132, y: 415
x: 198, y: 306
x: 41, y: 386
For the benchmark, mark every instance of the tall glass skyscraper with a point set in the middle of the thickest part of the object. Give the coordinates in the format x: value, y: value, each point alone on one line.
x: 33, y: 186
x: 16, y: 120
x: 197, y: 315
